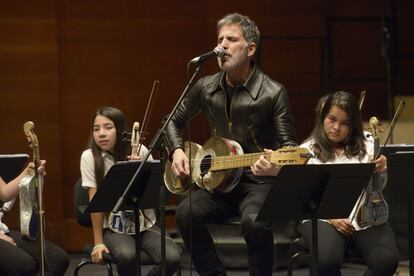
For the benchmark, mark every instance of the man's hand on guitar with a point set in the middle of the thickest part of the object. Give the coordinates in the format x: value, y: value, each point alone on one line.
x: 343, y: 226
x: 180, y: 164
x: 264, y: 168
x: 380, y: 164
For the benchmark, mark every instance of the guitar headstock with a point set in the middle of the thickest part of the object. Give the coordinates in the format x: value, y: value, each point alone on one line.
x: 290, y: 156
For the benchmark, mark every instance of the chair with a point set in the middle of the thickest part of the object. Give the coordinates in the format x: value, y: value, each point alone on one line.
x: 231, y: 246
x: 301, y: 252
x: 81, y: 200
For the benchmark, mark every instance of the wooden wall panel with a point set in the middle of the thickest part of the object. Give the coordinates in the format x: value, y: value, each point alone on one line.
x: 403, y: 26
x: 404, y: 47
x: 357, y: 62
x: 285, y: 59
x: 296, y: 62
x: 405, y: 84
x: 60, y: 60
x: 29, y: 91
x: 356, y: 49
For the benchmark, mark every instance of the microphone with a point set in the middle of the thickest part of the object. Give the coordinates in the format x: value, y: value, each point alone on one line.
x: 217, y: 52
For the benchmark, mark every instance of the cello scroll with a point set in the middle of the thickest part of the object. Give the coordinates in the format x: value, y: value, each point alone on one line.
x: 32, y: 220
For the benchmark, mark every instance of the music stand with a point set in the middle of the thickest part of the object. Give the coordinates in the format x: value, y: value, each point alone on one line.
x: 315, y: 191
x: 143, y: 195
x: 11, y: 165
x: 393, y: 148
x: 401, y: 180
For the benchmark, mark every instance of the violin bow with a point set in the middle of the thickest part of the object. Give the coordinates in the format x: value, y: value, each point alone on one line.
x: 148, y: 110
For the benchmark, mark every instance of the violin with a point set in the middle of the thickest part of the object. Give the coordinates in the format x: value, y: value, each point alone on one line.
x: 123, y: 221
x: 135, y: 145
x: 32, y: 220
x: 374, y: 210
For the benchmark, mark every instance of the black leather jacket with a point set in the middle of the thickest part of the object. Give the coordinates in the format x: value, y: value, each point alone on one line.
x: 259, y: 118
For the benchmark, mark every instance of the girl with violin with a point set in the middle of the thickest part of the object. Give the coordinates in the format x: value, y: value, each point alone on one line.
x: 105, y: 148
x: 338, y: 137
x: 20, y: 256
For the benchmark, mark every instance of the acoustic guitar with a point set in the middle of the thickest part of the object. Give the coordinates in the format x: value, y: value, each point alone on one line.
x: 218, y: 165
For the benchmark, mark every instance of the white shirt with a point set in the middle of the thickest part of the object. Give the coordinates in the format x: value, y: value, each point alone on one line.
x: 87, y: 167
x: 343, y: 159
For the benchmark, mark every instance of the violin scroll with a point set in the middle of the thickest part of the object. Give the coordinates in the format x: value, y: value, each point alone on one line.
x: 135, y: 139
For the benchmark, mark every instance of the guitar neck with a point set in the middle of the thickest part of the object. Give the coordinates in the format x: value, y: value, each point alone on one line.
x: 236, y: 161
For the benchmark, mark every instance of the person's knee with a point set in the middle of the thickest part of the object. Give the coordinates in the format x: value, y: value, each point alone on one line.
x: 59, y: 262
x: 173, y: 259
x: 125, y: 257
x: 329, y: 266
x: 182, y: 215
x: 186, y: 215
x: 384, y: 264
x: 255, y: 229
x: 27, y: 266
x: 330, y: 260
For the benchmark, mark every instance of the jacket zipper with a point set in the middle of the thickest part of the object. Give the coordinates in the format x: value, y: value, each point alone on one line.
x: 254, y: 140
x: 228, y: 116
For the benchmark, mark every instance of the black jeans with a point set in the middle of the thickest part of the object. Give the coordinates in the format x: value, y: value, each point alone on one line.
x: 375, y: 244
x: 122, y: 248
x: 206, y: 208
x: 23, y: 258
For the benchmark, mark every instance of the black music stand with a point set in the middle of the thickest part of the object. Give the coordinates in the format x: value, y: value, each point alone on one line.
x: 401, y: 189
x: 143, y: 195
x: 11, y: 165
x: 315, y: 191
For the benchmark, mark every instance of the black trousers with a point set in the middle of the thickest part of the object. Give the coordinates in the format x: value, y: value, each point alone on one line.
x: 375, y: 244
x: 202, y: 208
x: 122, y: 248
x: 23, y: 258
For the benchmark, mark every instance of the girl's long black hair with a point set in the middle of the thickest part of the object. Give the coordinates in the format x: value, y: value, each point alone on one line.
x: 354, y: 144
x: 120, y: 151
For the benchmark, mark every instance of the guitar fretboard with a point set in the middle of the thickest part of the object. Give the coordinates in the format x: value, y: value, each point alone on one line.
x: 236, y: 161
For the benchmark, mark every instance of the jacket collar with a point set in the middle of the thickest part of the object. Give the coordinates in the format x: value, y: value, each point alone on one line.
x: 252, y: 85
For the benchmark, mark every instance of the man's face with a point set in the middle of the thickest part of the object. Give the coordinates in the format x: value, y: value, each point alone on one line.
x: 237, y: 50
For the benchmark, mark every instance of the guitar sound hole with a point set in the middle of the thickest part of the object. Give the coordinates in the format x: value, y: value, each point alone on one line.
x: 205, y: 165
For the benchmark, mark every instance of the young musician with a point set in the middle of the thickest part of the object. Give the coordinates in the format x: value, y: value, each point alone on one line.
x: 20, y: 256
x: 338, y: 137
x: 241, y: 103
x: 106, y: 148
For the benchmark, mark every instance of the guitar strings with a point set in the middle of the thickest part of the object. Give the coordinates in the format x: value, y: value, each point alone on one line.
x: 206, y: 162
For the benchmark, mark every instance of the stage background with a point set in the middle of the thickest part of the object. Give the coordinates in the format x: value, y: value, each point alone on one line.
x: 60, y: 60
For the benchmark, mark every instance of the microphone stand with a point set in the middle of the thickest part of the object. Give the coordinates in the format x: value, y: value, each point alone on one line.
x: 155, y: 141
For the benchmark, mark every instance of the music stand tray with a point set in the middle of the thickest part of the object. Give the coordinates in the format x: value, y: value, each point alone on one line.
x: 315, y: 191
x: 400, y: 176
x: 11, y: 165
x: 401, y: 189
x: 117, y: 179
x: 144, y: 193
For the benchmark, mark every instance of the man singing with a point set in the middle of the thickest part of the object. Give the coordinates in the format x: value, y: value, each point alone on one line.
x: 242, y: 104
